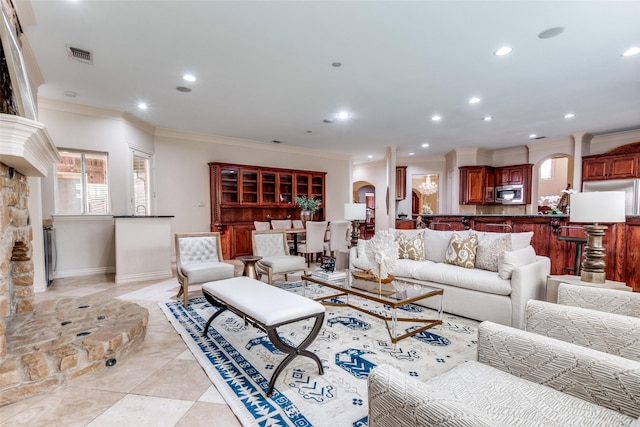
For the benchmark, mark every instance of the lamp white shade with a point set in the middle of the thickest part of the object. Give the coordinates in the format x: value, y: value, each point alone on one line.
x: 598, y: 206
x: 355, y: 211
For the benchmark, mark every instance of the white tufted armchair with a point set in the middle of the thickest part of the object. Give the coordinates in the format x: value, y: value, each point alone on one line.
x: 199, y: 260
x: 272, y: 247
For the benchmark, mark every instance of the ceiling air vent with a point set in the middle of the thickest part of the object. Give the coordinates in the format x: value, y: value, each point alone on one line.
x: 81, y: 55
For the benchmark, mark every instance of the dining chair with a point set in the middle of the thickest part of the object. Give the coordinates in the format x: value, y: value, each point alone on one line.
x: 272, y: 246
x: 314, y: 243
x: 261, y: 225
x: 280, y: 224
x: 338, y: 237
x: 199, y: 260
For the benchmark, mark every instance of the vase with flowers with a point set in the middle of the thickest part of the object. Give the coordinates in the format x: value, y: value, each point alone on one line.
x: 308, y: 206
x: 382, y: 254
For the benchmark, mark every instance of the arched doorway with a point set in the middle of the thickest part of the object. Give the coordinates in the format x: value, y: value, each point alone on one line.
x: 555, y: 178
x: 365, y: 192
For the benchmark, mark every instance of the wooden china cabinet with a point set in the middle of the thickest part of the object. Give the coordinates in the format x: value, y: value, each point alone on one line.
x: 241, y: 194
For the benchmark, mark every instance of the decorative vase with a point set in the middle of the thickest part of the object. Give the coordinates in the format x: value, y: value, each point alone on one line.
x: 306, y: 216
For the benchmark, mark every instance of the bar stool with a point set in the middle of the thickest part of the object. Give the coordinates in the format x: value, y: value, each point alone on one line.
x: 579, y: 242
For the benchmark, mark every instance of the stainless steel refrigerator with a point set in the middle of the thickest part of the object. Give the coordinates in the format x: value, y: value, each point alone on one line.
x: 631, y: 187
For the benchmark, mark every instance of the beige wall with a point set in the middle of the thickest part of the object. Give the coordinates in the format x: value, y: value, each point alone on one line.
x: 86, y: 244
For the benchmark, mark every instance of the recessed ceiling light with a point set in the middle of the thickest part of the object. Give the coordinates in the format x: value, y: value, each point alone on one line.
x: 336, y: 64
x: 343, y: 115
x: 189, y: 77
x: 532, y: 136
x: 370, y: 156
x: 412, y: 154
x: 487, y: 118
x: 632, y: 51
x: 142, y: 106
x: 436, y: 118
x: 474, y: 100
x: 425, y: 145
x: 569, y: 116
x: 551, y: 32
x: 504, y: 50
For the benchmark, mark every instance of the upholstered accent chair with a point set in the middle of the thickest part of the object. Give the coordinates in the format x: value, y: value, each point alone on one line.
x: 199, y: 260
x: 272, y: 246
x: 601, y: 299
x: 314, y: 243
x: 338, y: 238
x: 525, y: 378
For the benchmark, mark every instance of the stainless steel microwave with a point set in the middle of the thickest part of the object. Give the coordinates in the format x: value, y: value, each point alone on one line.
x: 509, y: 194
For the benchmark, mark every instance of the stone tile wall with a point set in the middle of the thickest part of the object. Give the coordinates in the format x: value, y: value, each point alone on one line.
x: 16, y: 266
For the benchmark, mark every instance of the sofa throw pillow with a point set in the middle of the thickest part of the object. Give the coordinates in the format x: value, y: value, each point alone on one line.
x: 410, y: 248
x: 361, y: 248
x: 436, y: 243
x: 518, y: 240
x: 511, y: 260
x: 462, y: 250
x: 489, y: 251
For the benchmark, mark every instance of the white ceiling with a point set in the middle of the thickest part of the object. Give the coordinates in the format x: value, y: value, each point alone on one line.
x: 264, y: 68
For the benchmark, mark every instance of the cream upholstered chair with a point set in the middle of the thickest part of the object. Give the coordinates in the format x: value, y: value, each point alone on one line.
x: 601, y: 299
x: 522, y: 377
x: 338, y: 238
x: 199, y: 260
x: 314, y: 243
x: 272, y: 246
x: 281, y: 224
x: 261, y: 225
x: 297, y: 223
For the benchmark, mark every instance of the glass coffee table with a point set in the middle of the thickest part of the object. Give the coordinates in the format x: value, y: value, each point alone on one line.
x: 395, y: 294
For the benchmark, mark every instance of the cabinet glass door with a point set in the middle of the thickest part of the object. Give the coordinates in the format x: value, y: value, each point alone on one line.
x: 268, y: 187
x: 302, y: 185
x: 249, y: 186
x: 317, y: 185
x: 285, y: 186
x: 229, y: 185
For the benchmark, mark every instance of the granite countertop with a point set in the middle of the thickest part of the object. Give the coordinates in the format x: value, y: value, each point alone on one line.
x: 144, y: 216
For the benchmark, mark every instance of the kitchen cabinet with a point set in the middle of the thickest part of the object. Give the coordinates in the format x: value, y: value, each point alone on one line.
x: 241, y: 194
x: 514, y: 175
x: 401, y: 183
x: 477, y: 185
x: 602, y: 167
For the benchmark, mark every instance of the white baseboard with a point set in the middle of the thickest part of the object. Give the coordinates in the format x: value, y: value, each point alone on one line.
x: 84, y: 272
x: 156, y: 275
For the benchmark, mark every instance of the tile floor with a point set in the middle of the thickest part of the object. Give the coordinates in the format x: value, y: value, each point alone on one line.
x: 158, y: 384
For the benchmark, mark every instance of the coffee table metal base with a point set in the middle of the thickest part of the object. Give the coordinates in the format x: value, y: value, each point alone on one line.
x: 391, y: 322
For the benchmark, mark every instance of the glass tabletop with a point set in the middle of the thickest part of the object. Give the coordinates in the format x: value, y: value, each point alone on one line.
x: 396, y: 293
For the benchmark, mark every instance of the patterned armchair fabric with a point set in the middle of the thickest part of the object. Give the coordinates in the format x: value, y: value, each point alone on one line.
x: 610, y: 333
x: 601, y: 299
x: 272, y: 247
x: 199, y: 260
x: 524, y: 378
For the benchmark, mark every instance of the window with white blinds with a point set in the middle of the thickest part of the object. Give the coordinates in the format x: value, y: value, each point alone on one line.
x: 141, y: 183
x: 82, y: 184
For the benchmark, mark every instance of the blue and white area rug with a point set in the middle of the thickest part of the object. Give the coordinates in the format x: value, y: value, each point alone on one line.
x: 240, y: 360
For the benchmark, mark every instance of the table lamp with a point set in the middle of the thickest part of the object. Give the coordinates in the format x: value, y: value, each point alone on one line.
x: 595, y: 208
x: 355, y: 212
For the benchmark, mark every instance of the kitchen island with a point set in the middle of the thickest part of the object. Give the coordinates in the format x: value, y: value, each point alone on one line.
x: 143, y: 247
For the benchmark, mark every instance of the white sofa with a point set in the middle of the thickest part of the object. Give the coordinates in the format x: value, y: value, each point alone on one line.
x: 499, y: 296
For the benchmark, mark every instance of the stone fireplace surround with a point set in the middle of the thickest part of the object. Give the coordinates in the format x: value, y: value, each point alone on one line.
x: 43, y: 346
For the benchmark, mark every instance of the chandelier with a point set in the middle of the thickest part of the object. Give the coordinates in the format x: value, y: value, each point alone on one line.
x: 428, y: 187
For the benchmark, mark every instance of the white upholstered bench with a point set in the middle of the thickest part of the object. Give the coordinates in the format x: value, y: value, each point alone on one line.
x: 266, y: 307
